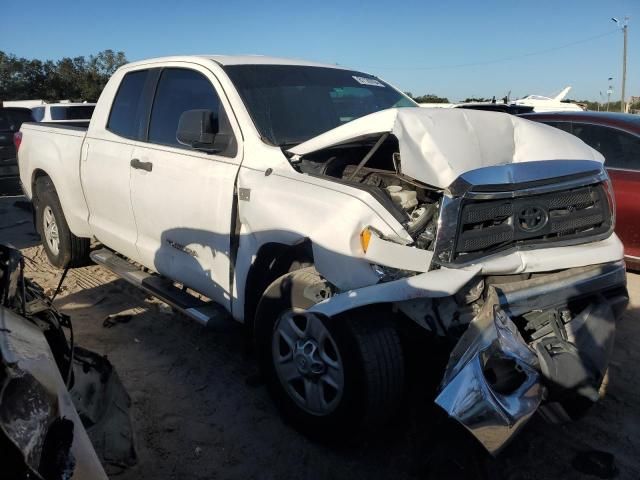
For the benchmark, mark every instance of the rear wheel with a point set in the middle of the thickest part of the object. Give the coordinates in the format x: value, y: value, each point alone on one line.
x: 329, y: 376
x: 62, y: 247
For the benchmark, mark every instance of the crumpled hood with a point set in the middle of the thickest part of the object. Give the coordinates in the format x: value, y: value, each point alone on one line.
x: 438, y: 145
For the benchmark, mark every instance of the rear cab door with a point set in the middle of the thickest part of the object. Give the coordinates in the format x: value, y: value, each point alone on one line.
x: 106, y: 155
x: 182, y: 198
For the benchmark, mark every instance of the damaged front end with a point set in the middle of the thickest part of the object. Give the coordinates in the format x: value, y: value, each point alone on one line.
x: 63, y: 412
x: 540, y: 343
x: 498, y: 218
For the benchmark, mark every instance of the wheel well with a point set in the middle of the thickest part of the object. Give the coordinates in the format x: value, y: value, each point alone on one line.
x: 272, y: 261
x: 37, y: 174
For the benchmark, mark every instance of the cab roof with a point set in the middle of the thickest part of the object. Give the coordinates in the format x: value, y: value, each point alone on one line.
x: 225, y: 60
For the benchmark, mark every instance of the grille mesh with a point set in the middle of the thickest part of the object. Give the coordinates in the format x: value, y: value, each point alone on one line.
x: 488, y: 226
x: 576, y: 223
x: 565, y: 199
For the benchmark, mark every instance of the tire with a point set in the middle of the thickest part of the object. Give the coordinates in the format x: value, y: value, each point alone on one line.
x: 365, y: 347
x: 62, y: 247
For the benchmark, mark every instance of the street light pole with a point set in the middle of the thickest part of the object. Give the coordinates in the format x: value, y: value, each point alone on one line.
x: 625, y: 27
x: 624, y: 64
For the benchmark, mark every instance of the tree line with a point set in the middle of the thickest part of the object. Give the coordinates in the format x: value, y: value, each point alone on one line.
x: 428, y: 98
x: 77, y: 79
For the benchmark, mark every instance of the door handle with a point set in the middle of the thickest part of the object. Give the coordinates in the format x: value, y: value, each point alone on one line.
x: 148, y: 166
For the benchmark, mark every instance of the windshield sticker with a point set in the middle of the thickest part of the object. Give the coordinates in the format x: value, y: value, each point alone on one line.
x: 368, y: 81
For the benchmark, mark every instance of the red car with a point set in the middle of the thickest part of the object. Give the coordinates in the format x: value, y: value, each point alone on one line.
x: 617, y: 137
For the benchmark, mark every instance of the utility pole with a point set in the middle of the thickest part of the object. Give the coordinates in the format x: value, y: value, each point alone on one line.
x: 625, y: 27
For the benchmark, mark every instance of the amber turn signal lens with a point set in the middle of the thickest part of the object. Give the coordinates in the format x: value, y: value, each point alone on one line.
x: 365, y: 237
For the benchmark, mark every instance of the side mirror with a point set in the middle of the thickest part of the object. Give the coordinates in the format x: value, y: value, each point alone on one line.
x: 198, y: 129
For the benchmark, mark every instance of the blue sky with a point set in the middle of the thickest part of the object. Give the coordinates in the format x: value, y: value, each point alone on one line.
x: 420, y: 46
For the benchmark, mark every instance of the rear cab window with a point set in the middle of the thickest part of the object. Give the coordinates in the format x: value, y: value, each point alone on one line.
x: 127, y: 116
x: 80, y: 112
x: 38, y: 113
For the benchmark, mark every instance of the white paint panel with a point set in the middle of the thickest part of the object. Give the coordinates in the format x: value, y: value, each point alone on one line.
x: 547, y: 259
x: 56, y: 152
x: 183, y: 213
x: 389, y: 254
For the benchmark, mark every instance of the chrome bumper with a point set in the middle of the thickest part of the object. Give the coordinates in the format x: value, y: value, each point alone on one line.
x: 495, y: 381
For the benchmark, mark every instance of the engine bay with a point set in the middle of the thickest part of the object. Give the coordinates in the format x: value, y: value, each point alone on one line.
x: 376, y: 169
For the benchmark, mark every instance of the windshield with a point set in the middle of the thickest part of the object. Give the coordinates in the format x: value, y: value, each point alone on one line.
x: 290, y: 104
x: 82, y: 112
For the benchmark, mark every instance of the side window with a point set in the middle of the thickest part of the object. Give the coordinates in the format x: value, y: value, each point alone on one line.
x: 630, y: 145
x: 126, y: 112
x: 620, y: 149
x: 180, y: 90
x: 566, y: 126
x: 38, y: 113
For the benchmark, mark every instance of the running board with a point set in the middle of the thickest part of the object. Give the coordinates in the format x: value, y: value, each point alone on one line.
x: 208, y: 313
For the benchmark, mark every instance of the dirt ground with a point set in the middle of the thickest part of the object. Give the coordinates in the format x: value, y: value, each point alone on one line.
x: 200, y: 412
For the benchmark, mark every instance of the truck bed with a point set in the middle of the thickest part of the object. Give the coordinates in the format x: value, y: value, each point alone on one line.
x: 54, y: 149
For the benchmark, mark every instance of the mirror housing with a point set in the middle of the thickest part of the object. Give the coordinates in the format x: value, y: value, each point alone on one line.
x: 197, y: 129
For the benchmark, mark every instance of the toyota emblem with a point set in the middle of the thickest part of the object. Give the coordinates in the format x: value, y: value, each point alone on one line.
x: 532, y: 218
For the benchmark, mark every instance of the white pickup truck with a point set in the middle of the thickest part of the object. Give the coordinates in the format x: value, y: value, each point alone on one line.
x: 333, y: 216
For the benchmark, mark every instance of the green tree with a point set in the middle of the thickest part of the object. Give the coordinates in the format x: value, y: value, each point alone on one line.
x: 77, y: 78
x: 476, y: 99
x: 429, y: 98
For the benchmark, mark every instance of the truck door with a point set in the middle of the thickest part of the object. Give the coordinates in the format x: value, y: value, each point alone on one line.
x: 105, y: 163
x: 182, y: 198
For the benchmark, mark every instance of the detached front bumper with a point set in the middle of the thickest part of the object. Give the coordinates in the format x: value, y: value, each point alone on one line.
x: 496, y: 379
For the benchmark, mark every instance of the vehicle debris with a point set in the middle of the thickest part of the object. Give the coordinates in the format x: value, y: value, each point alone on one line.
x: 113, y: 320
x: 55, y: 396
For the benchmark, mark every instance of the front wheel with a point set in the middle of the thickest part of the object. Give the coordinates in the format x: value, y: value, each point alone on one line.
x: 329, y: 376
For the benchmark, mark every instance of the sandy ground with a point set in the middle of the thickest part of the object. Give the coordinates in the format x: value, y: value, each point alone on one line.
x: 200, y: 411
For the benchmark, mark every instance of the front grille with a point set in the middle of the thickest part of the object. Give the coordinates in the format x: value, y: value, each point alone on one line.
x: 488, y: 226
